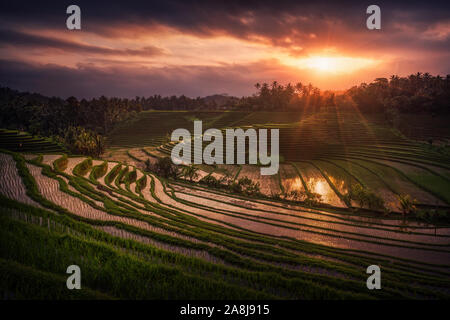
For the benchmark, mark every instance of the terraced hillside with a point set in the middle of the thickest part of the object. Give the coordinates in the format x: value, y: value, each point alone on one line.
x: 305, y: 236
x: 328, y: 153
x: 23, y: 142
x: 135, y: 235
x: 426, y: 128
x: 152, y: 128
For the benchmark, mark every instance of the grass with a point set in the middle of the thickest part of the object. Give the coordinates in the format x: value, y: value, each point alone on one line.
x: 83, y: 167
x: 17, y: 141
x: 203, y: 247
x: 150, y: 128
x: 60, y: 164
x: 251, y: 263
x: 101, y: 264
x: 99, y: 171
x: 141, y: 184
x: 113, y: 174
x: 19, y: 282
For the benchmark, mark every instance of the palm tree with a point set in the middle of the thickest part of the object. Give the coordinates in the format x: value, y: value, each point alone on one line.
x: 274, y: 84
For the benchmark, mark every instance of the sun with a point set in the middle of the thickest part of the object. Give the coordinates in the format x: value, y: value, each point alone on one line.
x: 322, y: 64
x: 331, y: 64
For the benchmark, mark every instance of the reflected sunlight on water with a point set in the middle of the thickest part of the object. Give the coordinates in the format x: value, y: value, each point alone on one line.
x: 293, y: 184
x: 321, y: 186
x: 341, y: 185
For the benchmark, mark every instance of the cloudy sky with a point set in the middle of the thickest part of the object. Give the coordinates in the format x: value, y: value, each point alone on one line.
x: 199, y: 48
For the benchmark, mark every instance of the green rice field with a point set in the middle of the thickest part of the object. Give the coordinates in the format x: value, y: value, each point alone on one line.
x: 136, y: 235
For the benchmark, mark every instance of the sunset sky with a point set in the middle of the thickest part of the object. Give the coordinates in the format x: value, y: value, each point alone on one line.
x: 198, y: 48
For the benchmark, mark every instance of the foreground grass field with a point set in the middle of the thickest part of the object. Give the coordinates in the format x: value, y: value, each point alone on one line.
x: 136, y: 235
x: 56, y: 213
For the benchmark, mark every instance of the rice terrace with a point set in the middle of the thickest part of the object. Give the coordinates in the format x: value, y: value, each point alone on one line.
x: 89, y: 186
x: 304, y: 233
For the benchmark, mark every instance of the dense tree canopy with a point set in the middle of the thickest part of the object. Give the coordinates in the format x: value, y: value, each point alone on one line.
x: 417, y: 93
x: 289, y: 97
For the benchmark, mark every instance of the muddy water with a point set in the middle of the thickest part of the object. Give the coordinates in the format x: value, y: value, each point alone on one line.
x: 291, y: 181
x: 337, y: 176
x: 316, y: 183
x: 319, y: 185
x: 48, y: 159
x: 294, y: 186
x: 268, y: 185
x: 334, y: 239
x: 236, y: 204
x: 11, y: 184
x: 335, y: 227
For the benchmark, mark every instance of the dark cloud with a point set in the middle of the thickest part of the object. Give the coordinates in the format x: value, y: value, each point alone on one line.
x: 122, y: 80
x: 270, y: 19
x: 300, y: 27
x: 90, y: 81
x: 20, y: 39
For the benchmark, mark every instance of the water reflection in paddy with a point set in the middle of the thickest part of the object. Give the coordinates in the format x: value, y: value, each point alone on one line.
x: 321, y: 187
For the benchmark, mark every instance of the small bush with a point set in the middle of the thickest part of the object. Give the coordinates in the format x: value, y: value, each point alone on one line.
x: 141, y: 183
x: 433, y: 215
x: 245, y: 186
x: 407, y: 204
x: 83, y: 167
x: 112, y: 174
x: 122, y: 176
x: 364, y: 198
x: 210, y: 181
x: 131, y: 177
x: 60, y: 164
x: 313, y: 199
x: 297, y: 195
x: 163, y: 168
x: 100, y: 170
x: 189, y: 172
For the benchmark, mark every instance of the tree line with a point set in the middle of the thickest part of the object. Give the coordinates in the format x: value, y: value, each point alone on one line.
x: 82, y: 124
x: 416, y: 93
x: 289, y: 97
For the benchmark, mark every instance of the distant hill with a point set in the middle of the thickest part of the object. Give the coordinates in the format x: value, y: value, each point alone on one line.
x: 220, y: 100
